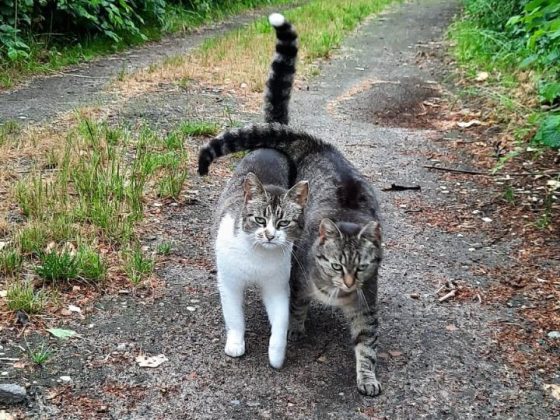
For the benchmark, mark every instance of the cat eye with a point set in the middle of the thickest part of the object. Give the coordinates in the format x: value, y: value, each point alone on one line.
x: 283, y: 223
x: 362, y: 267
x: 260, y: 220
x: 336, y: 267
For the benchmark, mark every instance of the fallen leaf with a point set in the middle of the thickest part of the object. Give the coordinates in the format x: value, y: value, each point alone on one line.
x: 151, y: 361
x: 467, y: 124
x: 3, y: 293
x: 482, y: 76
x: 73, y: 308
x: 395, y: 353
x: 3, y: 245
x: 61, y: 333
x: 451, y: 327
x: 322, y: 359
x: 19, y: 365
x: 554, y: 390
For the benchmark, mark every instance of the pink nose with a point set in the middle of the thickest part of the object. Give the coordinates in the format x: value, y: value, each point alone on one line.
x: 269, y: 236
x: 349, y: 280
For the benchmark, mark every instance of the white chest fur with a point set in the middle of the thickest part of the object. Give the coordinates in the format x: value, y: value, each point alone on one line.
x: 245, y: 262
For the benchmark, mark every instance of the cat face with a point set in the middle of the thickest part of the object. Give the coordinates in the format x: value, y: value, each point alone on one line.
x: 272, y: 215
x: 347, y: 255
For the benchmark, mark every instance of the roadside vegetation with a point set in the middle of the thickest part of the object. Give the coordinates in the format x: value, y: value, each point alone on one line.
x: 508, y: 52
x: 514, y: 48
x: 42, y: 37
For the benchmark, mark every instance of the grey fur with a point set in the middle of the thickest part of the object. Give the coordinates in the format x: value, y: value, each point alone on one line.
x: 341, y: 230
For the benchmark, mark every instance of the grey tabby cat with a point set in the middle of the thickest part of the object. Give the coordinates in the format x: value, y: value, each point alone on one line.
x: 258, y: 218
x: 336, y: 261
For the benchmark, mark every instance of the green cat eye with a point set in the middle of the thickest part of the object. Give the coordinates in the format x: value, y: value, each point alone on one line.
x: 336, y: 267
x: 362, y: 267
x: 260, y: 220
x: 283, y: 223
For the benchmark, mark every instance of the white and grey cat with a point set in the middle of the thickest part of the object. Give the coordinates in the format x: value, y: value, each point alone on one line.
x: 259, y: 218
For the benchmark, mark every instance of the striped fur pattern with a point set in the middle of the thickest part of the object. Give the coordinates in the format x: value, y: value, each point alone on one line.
x: 337, y: 258
x: 282, y: 70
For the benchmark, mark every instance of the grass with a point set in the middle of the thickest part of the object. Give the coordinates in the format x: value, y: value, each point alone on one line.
x: 40, y: 355
x: 22, y: 296
x: 240, y: 59
x: 47, y: 57
x: 199, y: 128
x: 138, y: 266
x: 164, y: 248
x: 10, y: 261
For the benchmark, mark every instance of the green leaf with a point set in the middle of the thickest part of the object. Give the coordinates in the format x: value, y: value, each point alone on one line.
x: 548, y: 133
x: 61, y: 333
x: 549, y: 92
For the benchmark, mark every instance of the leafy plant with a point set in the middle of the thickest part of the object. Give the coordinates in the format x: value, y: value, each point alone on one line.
x: 548, y: 132
x: 40, y: 355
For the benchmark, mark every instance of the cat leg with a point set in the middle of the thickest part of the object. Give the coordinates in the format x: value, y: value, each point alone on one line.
x: 299, y: 304
x: 232, y: 295
x: 364, y: 326
x: 276, y: 299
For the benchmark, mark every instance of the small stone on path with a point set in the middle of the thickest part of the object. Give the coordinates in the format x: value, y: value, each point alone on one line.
x: 12, y: 393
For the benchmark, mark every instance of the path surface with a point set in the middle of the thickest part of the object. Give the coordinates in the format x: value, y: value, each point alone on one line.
x: 438, y: 360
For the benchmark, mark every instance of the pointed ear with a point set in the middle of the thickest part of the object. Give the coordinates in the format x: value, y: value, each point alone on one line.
x: 371, y: 232
x: 328, y: 229
x: 299, y: 193
x: 252, y: 187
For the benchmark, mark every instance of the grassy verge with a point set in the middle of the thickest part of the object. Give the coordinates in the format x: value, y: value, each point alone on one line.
x: 240, y: 59
x: 77, y: 196
x: 508, y: 67
x: 47, y: 54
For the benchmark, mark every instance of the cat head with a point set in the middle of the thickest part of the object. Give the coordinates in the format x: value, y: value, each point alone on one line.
x: 346, y: 254
x: 271, y: 214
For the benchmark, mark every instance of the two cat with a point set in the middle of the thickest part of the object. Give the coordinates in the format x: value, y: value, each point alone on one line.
x: 258, y: 219
x: 339, y: 251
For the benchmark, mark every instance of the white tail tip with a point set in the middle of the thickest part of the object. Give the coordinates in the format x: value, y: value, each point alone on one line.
x: 276, y: 20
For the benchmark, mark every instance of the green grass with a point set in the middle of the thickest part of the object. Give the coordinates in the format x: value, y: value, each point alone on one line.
x: 40, y: 355
x: 10, y: 261
x: 138, y: 266
x: 22, y: 296
x: 47, y: 57
x: 199, y: 128
x: 164, y: 248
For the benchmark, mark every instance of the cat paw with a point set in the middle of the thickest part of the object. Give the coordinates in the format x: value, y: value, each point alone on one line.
x: 371, y: 388
x: 235, y: 348
x: 276, y: 357
x: 296, y: 333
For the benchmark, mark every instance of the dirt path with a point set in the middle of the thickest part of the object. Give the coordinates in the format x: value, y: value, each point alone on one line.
x: 438, y: 360
x: 44, y: 97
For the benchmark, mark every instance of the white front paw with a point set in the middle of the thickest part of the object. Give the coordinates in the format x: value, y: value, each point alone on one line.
x: 276, y: 356
x: 235, y: 347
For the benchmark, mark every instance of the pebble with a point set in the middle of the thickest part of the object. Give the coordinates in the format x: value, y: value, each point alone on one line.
x: 65, y: 379
x: 235, y: 402
x: 554, y: 334
x: 12, y: 393
x: 191, y: 308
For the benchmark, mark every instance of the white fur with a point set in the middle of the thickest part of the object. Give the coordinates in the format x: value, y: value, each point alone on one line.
x: 242, y: 260
x: 276, y: 19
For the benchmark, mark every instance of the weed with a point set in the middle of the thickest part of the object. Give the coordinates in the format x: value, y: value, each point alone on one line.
x: 91, y: 265
x: 137, y: 265
x: 199, y: 128
x: 57, y: 266
x: 164, y: 248
x: 21, y: 296
x: 40, y: 355
x: 32, y: 238
x: 9, y: 130
x: 10, y: 261
x: 509, y: 194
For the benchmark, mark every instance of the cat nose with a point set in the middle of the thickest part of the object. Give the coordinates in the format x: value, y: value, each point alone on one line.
x: 349, y: 280
x: 269, y: 235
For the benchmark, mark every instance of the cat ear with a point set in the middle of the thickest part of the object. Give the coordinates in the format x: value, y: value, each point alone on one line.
x: 299, y: 193
x: 328, y: 229
x: 371, y: 232
x: 252, y: 187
